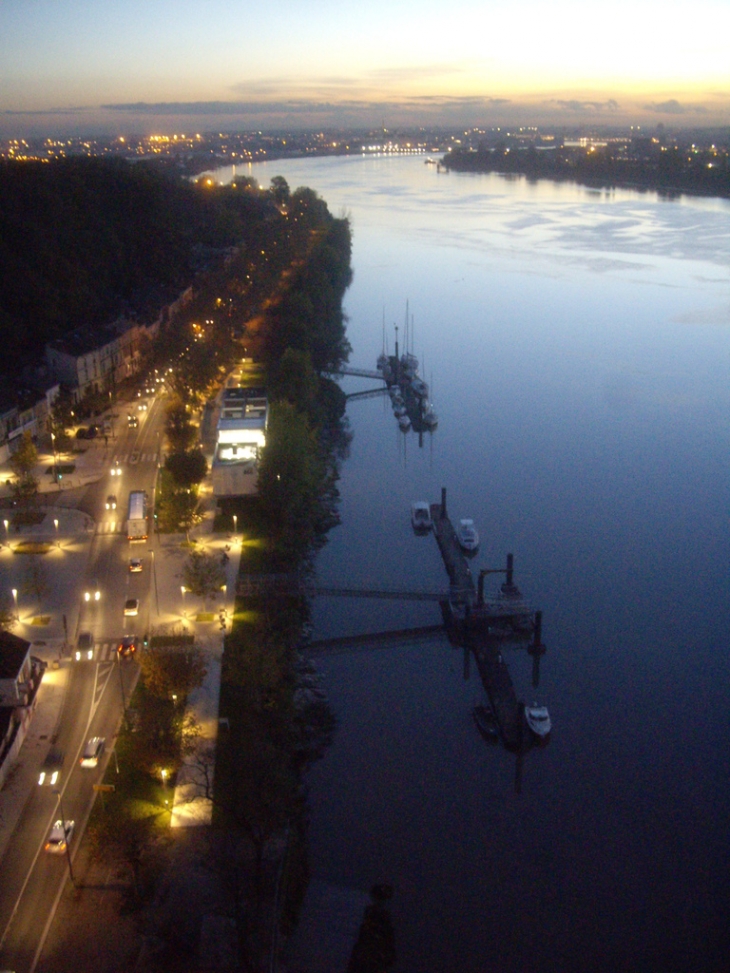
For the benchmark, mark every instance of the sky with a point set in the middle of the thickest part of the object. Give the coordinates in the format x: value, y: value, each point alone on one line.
x: 145, y: 66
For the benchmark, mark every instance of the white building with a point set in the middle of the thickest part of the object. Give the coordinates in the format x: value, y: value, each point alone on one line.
x: 241, y: 435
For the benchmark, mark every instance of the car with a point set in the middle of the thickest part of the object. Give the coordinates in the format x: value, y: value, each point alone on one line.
x: 92, y: 751
x: 85, y: 646
x: 116, y: 470
x: 81, y: 433
x: 51, y: 768
x: 131, y: 606
x: 132, y: 422
x: 92, y: 432
x: 135, y: 565
x: 142, y: 407
x: 111, y: 502
x: 128, y: 646
x: 59, y: 837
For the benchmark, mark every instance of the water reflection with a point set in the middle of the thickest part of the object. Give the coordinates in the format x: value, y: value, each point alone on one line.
x: 579, y: 349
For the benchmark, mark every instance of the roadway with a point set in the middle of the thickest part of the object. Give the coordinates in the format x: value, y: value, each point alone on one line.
x: 32, y: 879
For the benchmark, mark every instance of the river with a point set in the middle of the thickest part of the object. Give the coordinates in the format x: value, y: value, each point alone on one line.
x: 577, y: 344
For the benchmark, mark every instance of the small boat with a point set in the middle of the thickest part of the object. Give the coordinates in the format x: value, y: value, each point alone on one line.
x: 486, y: 722
x: 420, y: 387
x: 421, y: 517
x: 429, y: 418
x: 382, y: 362
x: 404, y: 423
x: 394, y: 391
x: 399, y: 409
x: 538, y: 719
x: 467, y: 535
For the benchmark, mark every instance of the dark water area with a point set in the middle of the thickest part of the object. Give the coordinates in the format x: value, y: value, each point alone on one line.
x: 578, y: 348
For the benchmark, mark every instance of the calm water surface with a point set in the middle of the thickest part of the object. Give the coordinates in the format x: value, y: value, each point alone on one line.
x: 578, y: 348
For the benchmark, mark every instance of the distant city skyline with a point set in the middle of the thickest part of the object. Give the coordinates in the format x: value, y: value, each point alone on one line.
x: 83, y: 67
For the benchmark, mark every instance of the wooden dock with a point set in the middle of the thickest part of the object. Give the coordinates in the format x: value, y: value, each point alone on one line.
x: 482, y: 626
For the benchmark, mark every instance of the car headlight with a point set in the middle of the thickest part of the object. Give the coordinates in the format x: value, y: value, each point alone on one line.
x: 78, y: 656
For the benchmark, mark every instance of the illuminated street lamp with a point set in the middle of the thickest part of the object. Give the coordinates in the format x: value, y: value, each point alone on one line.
x: 163, y: 774
x: 7, y: 534
x: 235, y: 523
x: 55, y: 524
x: 15, y: 599
x: 183, y: 589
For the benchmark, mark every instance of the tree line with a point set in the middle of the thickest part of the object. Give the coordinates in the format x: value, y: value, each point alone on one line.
x: 670, y: 171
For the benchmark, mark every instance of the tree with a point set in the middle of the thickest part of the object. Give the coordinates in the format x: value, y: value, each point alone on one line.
x: 181, y: 433
x: 25, y: 457
x: 187, y: 469
x: 280, y: 190
x: 204, y: 575
x: 173, y: 670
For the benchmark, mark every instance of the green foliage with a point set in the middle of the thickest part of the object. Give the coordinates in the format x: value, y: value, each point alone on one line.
x: 181, y: 433
x: 82, y: 239
x: 187, y: 469
x: 25, y: 457
x: 290, y: 475
x: 204, y: 575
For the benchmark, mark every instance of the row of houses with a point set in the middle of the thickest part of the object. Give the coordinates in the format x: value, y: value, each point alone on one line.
x: 20, y: 677
x: 84, y: 360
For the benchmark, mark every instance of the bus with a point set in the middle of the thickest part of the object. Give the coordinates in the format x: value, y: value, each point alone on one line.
x: 137, y: 516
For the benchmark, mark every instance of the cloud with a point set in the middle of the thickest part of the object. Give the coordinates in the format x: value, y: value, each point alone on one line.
x: 580, y: 107
x: 304, y: 106
x: 673, y: 107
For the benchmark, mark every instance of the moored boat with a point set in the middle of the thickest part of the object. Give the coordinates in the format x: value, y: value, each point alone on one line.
x: 404, y: 423
x: 421, y: 516
x: 486, y: 722
x: 538, y: 719
x: 467, y: 534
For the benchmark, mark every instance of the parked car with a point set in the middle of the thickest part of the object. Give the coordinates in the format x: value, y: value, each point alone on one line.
x: 92, y: 751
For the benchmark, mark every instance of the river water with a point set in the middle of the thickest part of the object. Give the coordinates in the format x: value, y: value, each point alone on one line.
x: 578, y: 347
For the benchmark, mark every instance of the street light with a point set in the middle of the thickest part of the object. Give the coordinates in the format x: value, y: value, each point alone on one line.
x: 183, y: 589
x: 7, y: 534
x: 15, y: 599
x: 55, y: 524
x: 235, y: 523
x: 65, y: 838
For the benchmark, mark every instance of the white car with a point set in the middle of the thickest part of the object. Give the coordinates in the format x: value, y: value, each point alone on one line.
x: 131, y: 606
x: 135, y: 565
x: 59, y: 837
x: 92, y: 751
x: 116, y: 470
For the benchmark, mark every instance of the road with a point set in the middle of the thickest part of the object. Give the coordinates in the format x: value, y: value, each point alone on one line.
x: 32, y: 879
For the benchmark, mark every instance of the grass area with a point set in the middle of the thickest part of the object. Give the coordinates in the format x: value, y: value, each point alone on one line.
x: 28, y: 518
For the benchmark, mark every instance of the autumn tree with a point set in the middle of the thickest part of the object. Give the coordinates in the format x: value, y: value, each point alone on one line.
x: 173, y: 670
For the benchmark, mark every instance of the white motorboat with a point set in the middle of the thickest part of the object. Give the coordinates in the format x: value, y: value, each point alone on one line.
x: 399, y: 409
x: 421, y: 516
x: 404, y: 423
x: 467, y: 534
x: 538, y: 719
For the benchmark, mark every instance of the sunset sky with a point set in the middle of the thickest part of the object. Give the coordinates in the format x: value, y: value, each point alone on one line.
x: 146, y: 65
